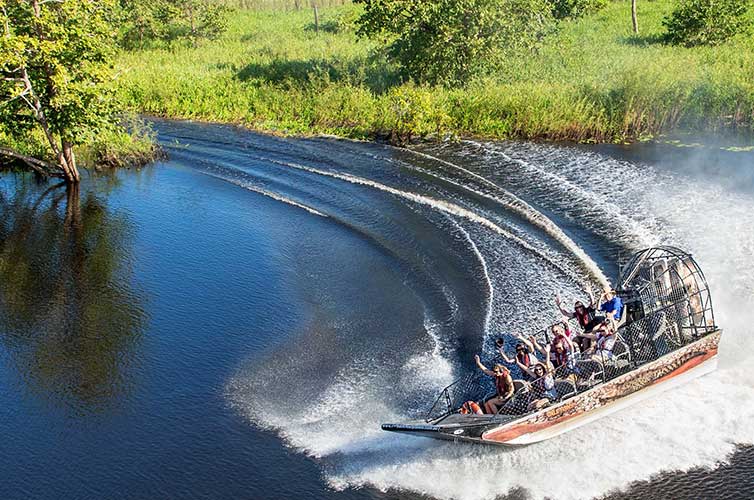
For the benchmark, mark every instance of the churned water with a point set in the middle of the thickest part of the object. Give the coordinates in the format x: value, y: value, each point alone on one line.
x: 236, y: 322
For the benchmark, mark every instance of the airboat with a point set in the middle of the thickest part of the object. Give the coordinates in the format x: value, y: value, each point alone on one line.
x: 667, y: 336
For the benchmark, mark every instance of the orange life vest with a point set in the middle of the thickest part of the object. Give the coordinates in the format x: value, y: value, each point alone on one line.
x: 471, y: 407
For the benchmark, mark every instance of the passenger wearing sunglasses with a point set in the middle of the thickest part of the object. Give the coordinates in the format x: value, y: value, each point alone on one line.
x: 524, y: 354
x: 584, y: 315
x: 503, y: 386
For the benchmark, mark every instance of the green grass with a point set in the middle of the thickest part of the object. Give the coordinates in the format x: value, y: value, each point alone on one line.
x: 592, y: 81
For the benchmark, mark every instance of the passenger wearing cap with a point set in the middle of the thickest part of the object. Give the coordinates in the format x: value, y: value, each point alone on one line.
x: 503, y: 386
x: 612, y: 306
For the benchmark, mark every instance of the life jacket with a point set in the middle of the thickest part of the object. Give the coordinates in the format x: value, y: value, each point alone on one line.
x: 586, y: 317
x: 560, y: 358
x: 471, y: 407
x: 503, y: 383
x: 525, y: 359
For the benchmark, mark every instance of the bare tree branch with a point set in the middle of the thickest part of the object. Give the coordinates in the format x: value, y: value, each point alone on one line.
x: 41, y: 167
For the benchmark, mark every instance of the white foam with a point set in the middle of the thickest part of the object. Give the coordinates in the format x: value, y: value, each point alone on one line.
x: 444, y: 206
x: 524, y: 209
x: 698, y: 424
x: 269, y: 194
x: 486, y: 275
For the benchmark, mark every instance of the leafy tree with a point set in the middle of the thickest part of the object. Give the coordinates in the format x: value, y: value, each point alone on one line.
x: 55, y: 67
x: 139, y: 23
x: 171, y: 20
x: 450, y: 41
x: 706, y: 22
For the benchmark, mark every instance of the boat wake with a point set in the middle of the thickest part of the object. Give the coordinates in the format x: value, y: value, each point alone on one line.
x: 483, y: 235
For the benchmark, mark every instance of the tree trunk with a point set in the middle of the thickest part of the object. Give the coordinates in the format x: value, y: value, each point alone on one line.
x: 72, y: 173
x: 634, y: 19
x: 64, y: 154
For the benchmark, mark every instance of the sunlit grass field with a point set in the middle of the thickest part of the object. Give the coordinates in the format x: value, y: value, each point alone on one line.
x: 591, y: 81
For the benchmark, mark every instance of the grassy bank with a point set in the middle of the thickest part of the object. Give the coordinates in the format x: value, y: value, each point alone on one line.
x: 592, y: 81
x: 113, y: 147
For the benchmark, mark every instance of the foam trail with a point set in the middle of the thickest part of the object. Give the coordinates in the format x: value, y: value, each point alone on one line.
x: 643, y: 235
x: 698, y: 424
x: 444, y: 206
x: 486, y: 273
x: 527, y: 211
x: 269, y: 194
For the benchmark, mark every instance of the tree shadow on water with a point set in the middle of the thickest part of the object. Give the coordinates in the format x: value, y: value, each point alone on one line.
x: 70, y: 320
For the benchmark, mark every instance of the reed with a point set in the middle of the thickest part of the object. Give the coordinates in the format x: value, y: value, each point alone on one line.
x: 593, y: 81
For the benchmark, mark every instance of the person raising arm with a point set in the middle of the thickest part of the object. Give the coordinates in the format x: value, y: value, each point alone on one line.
x: 503, y: 386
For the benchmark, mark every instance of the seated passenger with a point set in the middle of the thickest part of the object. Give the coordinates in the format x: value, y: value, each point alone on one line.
x: 612, y: 307
x: 604, y: 338
x: 543, y: 387
x: 561, y: 351
x: 563, y: 356
x: 585, y: 315
x: 561, y: 329
x: 524, y: 355
x: 503, y: 386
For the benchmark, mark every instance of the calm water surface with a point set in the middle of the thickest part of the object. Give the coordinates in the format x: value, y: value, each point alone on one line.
x: 237, y: 321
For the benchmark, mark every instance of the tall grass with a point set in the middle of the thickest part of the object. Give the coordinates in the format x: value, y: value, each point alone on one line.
x: 592, y: 81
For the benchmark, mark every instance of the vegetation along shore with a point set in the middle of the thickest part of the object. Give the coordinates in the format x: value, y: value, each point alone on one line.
x: 589, y: 79
x: 77, y: 73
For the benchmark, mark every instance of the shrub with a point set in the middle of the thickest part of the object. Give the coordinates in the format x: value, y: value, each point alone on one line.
x: 706, y: 22
x: 451, y: 41
x: 562, y: 9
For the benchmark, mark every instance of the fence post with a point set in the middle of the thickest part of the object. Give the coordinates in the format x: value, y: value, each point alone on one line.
x: 316, y: 19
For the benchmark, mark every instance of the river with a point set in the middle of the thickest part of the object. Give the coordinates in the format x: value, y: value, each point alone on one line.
x: 237, y: 321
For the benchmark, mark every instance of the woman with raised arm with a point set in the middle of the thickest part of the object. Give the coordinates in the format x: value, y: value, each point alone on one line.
x: 503, y: 386
x: 524, y: 354
x: 543, y: 388
x: 584, y: 315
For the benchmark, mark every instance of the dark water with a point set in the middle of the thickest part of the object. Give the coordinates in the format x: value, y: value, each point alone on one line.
x: 237, y: 321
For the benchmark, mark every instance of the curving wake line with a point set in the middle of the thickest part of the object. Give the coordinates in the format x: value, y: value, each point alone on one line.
x: 487, y: 279
x: 268, y: 194
x: 644, y: 236
x: 449, y: 208
x: 527, y: 211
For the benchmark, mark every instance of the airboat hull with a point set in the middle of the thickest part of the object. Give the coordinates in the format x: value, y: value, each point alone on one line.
x: 676, y: 368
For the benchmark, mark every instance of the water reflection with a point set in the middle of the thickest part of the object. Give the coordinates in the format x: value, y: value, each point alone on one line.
x: 70, y: 319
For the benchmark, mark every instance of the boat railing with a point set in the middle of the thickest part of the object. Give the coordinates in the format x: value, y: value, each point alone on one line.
x: 646, y: 339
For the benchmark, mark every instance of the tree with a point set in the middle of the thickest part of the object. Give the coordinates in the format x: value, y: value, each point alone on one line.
x: 450, y: 41
x: 563, y: 9
x: 171, y: 20
x: 55, y: 64
x: 706, y: 22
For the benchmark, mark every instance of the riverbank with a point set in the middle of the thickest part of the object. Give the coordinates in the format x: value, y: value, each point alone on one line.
x: 591, y: 82
x: 133, y: 144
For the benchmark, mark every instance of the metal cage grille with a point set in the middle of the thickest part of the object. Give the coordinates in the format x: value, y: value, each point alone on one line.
x: 668, y: 306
